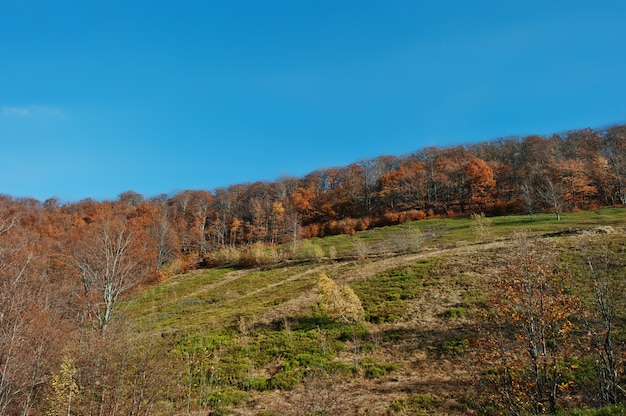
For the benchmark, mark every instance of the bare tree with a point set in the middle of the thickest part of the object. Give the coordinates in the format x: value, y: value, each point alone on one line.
x: 616, y: 153
x: 163, y: 235
x: 552, y: 195
x: 293, y: 223
x: 123, y: 374
x: 528, y: 198
x: 605, y: 278
x: 109, y: 262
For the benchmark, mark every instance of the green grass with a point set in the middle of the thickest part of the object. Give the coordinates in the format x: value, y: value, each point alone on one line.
x: 232, y: 357
x: 454, y: 312
x: 445, y: 232
x: 184, y: 301
x: 547, y: 223
x: 201, y: 311
x: 454, y: 346
x: 202, y: 298
x: 455, y: 230
x: 177, y: 286
x: 198, y: 312
x: 604, y: 411
x: 375, y: 369
x: 384, y: 295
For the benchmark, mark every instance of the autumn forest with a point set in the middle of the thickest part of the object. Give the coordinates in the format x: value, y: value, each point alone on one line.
x: 66, y: 267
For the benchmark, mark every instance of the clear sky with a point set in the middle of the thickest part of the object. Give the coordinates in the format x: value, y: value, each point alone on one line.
x: 100, y: 97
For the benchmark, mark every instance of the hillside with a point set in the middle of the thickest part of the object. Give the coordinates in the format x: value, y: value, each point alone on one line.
x: 431, y: 298
x: 255, y: 341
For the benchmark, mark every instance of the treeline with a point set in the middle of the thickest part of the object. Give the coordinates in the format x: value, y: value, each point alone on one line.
x: 581, y: 169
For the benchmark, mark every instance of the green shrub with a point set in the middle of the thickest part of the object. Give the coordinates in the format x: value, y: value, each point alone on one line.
x: 257, y: 383
x: 399, y: 405
x: 456, y: 312
x: 308, y: 360
x: 474, y: 298
x: 349, y: 332
x: 337, y: 367
x: 423, y: 401
x: 383, y: 296
x: 394, y: 335
x: 416, y: 403
x: 286, y: 380
x: 581, y: 370
x: 224, y: 397
x: 367, y: 347
x: 454, y: 346
x: 374, y: 369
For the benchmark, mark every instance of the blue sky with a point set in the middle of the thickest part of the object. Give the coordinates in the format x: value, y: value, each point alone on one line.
x: 97, y: 98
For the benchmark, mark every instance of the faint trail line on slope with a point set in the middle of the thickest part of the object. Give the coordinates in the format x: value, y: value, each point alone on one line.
x: 370, y: 269
x: 358, y: 272
x: 296, y: 276
x: 228, y: 277
x: 362, y: 272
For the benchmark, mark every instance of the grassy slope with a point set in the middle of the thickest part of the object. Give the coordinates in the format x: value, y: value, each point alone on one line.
x: 256, y: 343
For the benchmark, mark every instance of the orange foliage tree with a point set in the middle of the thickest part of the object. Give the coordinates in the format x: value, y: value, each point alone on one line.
x: 29, y: 322
x: 530, y: 313
x: 481, y: 182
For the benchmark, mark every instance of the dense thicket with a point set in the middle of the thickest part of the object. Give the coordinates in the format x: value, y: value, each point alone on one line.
x: 65, y: 265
